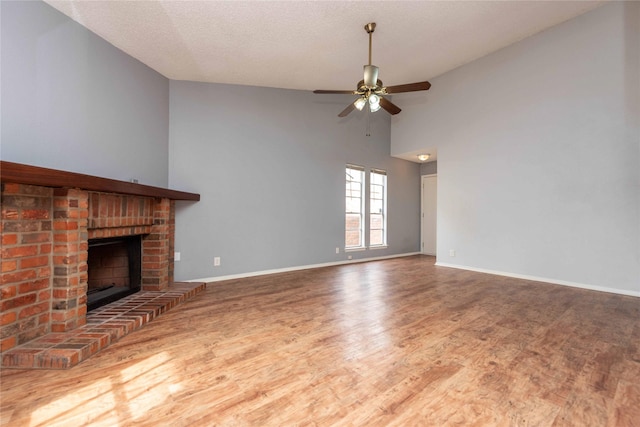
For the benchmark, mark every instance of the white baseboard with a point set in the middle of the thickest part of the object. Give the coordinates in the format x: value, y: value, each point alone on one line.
x: 543, y: 279
x: 301, y: 267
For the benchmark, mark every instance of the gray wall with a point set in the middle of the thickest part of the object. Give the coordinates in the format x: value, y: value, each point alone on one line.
x: 269, y: 165
x: 539, y: 154
x: 429, y: 168
x: 72, y: 101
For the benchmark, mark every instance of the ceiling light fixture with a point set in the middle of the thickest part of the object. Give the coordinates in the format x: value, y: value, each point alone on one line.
x: 374, y: 102
x: 423, y: 157
x: 360, y: 103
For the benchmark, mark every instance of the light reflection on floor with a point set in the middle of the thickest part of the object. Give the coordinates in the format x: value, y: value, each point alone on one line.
x: 127, y: 394
x: 362, y: 303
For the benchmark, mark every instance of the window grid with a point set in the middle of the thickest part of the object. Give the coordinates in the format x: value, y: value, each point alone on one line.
x: 354, y: 211
x: 378, y: 208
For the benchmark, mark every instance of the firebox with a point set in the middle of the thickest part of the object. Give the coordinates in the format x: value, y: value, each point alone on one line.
x: 114, y: 269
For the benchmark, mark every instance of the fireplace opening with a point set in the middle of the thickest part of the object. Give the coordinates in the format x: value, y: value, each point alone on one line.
x: 114, y: 269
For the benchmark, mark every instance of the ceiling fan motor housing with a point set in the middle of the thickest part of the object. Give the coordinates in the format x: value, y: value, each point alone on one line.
x: 370, y: 76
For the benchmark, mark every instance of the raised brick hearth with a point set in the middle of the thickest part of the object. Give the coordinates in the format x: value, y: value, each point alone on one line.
x: 105, y: 325
x: 45, y: 233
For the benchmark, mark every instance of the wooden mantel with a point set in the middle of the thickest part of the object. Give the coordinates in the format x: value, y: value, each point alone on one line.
x: 34, y: 175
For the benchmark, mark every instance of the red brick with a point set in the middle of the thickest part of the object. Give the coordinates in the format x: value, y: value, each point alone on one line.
x: 73, y: 214
x: 19, y: 301
x: 60, y: 293
x: 44, y: 295
x: 35, y: 214
x: 44, y: 318
x: 43, y: 272
x: 146, y: 243
x: 41, y: 237
x: 63, y: 283
x: 33, y: 310
x: 19, y: 251
x: 55, y: 358
x: 11, y: 188
x: 151, y: 266
x: 65, y: 260
x: 36, y: 285
x: 65, y: 225
x: 104, y: 208
x: 9, y: 239
x: 9, y: 266
x: 45, y: 248
x: 10, y: 214
x: 19, y: 276
x: 6, y: 318
x: 61, y: 192
x: 63, y: 315
x: 66, y: 248
x: 39, y: 261
x: 66, y: 237
x: 7, y: 292
x: 7, y: 343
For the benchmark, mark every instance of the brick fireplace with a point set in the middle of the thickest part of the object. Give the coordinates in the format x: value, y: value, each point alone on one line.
x: 45, y: 234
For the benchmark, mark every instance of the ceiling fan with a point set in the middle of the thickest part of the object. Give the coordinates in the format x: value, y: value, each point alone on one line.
x: 371, y: 91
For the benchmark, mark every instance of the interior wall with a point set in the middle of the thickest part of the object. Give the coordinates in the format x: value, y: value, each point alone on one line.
x: 429, y: 168
x: 270, y: 167
x: 72, y: 101
x: 539, y: 154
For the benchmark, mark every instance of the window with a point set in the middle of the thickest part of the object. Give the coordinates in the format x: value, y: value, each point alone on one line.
x: 354, y: 219
x: 378, y: 208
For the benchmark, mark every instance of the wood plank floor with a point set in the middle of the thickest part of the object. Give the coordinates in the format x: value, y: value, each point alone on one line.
x: 391, y: 343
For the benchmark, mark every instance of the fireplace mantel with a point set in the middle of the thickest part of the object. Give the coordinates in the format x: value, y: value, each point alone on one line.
x: 35, y: 175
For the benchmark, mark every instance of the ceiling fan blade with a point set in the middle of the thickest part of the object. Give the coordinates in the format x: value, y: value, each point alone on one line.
x: 347, y: 110
x: 389, y: 106
x: 350, y: 92
x: 410, y: 87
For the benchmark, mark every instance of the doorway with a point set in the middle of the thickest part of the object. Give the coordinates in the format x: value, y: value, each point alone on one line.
x: 429, y: 208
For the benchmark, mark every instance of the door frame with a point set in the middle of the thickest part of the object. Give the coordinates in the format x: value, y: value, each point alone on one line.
x: 423, y: 179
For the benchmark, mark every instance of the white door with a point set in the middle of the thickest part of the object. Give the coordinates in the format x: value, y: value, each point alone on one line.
x: 429, y: 208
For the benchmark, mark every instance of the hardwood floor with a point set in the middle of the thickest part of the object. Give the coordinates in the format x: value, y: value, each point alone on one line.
x: 391, y: 343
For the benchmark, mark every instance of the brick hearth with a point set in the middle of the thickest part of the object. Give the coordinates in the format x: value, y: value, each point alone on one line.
x: 105, y: 326
x: 45, y: 227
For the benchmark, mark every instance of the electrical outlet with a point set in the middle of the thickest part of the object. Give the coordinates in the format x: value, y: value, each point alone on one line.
x: 452, y: 252
x: 349, y: 257
x: 337, y: 250
x: 216, y: 261
x: 176, y: 256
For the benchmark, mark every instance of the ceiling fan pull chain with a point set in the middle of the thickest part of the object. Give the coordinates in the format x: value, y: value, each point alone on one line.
x: 368, y: 120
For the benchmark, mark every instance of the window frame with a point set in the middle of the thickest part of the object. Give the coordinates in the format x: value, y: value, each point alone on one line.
x: 359, y: 170
x: 382, y: 191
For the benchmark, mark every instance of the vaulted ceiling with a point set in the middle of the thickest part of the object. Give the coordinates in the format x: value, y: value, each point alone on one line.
x: 313, y: 44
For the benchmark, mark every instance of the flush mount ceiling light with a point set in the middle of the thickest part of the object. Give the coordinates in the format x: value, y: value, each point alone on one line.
x: 423, y: 157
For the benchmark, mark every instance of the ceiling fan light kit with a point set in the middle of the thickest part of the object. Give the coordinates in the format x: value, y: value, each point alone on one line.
x: 360, y: 103
x: 370, y: 89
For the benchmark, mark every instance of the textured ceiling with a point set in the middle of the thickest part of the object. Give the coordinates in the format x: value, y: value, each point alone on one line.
x: 312, y: 44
